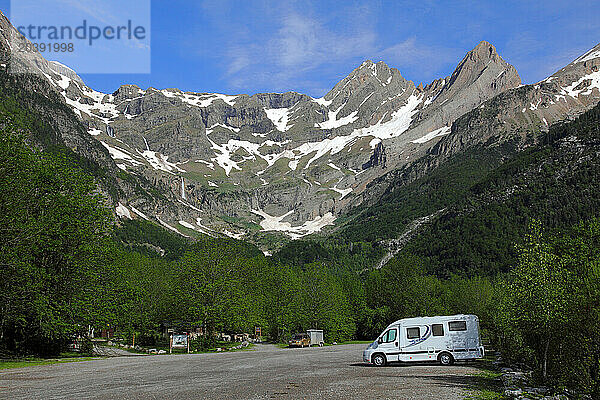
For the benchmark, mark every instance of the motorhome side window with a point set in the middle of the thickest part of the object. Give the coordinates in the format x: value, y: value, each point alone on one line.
x: 457, y: 325
x: 437, y: 329
x: 413, y: 333
x: 389, y: 336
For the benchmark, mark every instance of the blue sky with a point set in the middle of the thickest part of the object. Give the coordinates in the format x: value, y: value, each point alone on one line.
x: 308, y: 46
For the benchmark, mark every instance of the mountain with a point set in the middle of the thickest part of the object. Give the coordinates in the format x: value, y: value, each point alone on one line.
x: 273, y: 166
x: 465, y: 216
x: 516, y: 118
x: 285, y: 161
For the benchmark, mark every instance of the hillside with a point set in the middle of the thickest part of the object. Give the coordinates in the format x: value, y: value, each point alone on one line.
x: 480, y: 204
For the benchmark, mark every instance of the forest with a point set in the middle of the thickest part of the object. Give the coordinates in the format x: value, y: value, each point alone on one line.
x: 528, y: 265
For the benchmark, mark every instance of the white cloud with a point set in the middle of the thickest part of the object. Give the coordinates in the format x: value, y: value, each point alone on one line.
x: 303, y: 42
x: 284, y: 47
x: 407, y: 52
x: 300, y: 44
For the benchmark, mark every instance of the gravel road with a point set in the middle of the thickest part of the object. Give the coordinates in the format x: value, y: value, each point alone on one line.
x: 334, y: 372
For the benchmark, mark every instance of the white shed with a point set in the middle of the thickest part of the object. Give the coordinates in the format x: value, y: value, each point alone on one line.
x: 316, y: 336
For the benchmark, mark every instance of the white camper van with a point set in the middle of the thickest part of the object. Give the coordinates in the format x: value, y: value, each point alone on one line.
x: 445, y: 339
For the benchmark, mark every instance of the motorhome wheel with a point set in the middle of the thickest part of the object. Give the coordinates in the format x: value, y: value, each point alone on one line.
x: 379, y: 360
x: 446, y: 359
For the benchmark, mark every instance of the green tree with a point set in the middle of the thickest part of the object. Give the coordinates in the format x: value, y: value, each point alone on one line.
x: 539, y: 296
x: 53, y: 228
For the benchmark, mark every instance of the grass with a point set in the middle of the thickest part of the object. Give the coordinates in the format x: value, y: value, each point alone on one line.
x: 356, y: 342
x: 31, y: 362
x: 486, y: 384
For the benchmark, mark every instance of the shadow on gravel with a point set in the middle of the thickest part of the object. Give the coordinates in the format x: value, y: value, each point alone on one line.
x: 459, y: 381
x: 415, y: 364
x: 451, y: 378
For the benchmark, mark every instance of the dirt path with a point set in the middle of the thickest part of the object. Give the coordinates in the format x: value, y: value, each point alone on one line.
x: 334, y: 372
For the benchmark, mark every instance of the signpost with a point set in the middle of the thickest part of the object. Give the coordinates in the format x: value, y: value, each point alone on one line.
x: 179, y: 341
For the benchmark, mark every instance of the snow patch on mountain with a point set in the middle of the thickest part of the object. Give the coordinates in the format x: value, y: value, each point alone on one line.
x: 204, y: 229
x: 592, y: 80
x: 332, y: 165
x: 233, y: 234
x: 223, y: 159
x: 198, y: 228
x: 120, y: 154
x: 159, y: 161
x: 138, y: 212
x: 187, y: 225
x: 208, y: 164
x: 210, y: 130
x: 590, y: 55
x: 332, y: 121
x: 225, y: 97
x: 279, y: 117
x: 224, y: 152
x: 202, y: 101
x: 169, y: 227
x: 331, y: 146
x: 343, y: 192
x: 123, y: 212
x: 432, y: 135
x: 272, y: 223
x: 322, y: 101
x: 293, y: 164
x: 534, y: 107
x: 373, y: 143
x: 399, y: 122
x: 101, y: 107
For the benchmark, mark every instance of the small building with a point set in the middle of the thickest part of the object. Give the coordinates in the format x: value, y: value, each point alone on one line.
x: 316, y: 336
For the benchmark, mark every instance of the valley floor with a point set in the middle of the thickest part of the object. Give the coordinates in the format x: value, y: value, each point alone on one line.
x: 334, y: 372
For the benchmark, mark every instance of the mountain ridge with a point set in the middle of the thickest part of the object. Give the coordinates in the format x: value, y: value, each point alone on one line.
x: 280, y: 163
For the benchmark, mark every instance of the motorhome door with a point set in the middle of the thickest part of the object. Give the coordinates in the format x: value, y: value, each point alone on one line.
x: 388, y: 344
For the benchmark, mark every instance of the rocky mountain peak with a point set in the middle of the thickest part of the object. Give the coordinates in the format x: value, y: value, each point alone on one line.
x: 483, y: 50
x: 368, y: 83
x: 127, y: 92
x: 483, y: 63
x: 480, y: 75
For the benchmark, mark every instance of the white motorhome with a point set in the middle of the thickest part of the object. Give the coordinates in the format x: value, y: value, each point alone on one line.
x: 443, y: 338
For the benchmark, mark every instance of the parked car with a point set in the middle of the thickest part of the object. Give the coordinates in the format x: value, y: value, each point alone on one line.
x: 299, y: 340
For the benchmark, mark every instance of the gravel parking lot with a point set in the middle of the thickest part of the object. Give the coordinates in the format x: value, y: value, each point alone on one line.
x: 268, y: 372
